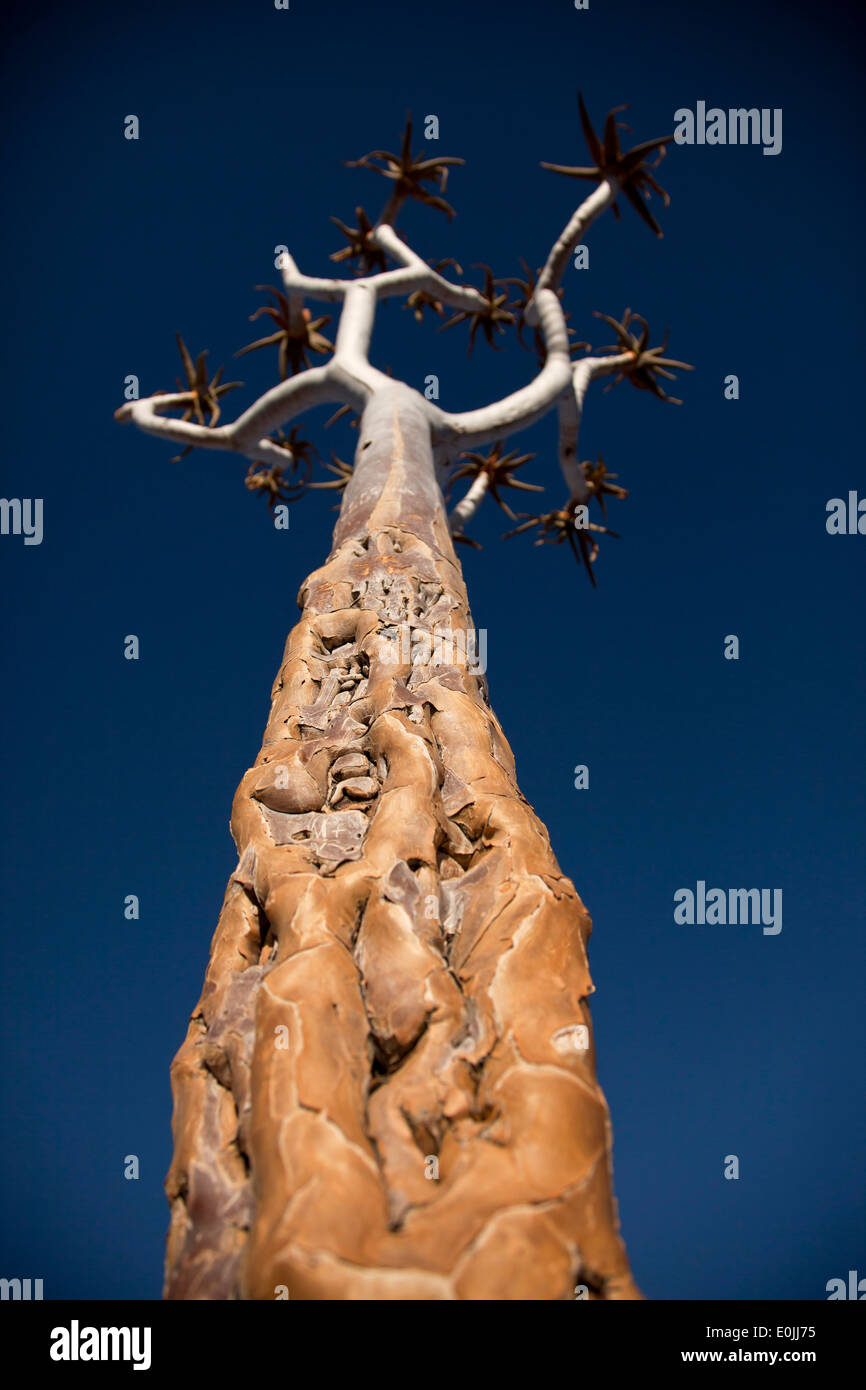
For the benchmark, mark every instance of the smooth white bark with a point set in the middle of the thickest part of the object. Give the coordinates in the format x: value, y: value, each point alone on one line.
x: 349, y: 378
x: 571, y: 236
x: 469, y: 504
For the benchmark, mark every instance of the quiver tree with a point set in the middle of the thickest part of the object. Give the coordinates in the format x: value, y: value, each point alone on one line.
x: 388, y: 1088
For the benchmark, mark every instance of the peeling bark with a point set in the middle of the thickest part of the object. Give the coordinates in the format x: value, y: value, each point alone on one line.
x: 399, y: 920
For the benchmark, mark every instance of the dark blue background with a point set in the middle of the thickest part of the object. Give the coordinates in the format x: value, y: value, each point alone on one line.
x: 119, y: 775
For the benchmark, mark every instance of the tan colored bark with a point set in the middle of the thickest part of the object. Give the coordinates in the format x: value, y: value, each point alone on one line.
x: 398, y: 913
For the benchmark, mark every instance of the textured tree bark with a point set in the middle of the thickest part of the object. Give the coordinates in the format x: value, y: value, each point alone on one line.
x: 398, y: 981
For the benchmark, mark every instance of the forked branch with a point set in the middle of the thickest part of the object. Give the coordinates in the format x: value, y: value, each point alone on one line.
x: 349, y: 379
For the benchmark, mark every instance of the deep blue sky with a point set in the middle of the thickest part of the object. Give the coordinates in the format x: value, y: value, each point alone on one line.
x: 119, y: 775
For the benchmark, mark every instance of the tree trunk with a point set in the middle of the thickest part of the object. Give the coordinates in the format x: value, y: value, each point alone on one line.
x: 388, y: 1090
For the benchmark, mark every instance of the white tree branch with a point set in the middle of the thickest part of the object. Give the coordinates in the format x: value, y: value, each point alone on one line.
x: 295, y: 297
x: 248, y: 434
x: 416, y: 274
x: 297, y: 285
x: 146, y: 413
x: 315, y: 386
x: 355, y: 328
x: 570, y: 410
x: 570, y: 237
x: 569, y: 427
x: 350, y: 379
x: 469, y: 503
x: 413, y: 274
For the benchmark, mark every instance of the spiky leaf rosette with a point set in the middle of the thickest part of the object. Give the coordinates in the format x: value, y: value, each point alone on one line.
x: 600, y: 482
x: 409, y: 173
x: 649, y: 363
x: 369, y: 258
x: 499, y: 469
x: 281, y: 482
x: 204, y: 394
x: 628, y: 167
x: 492, y: 319
x: 343, y: 473
x: 296, y: 336
x: 557, y: 527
